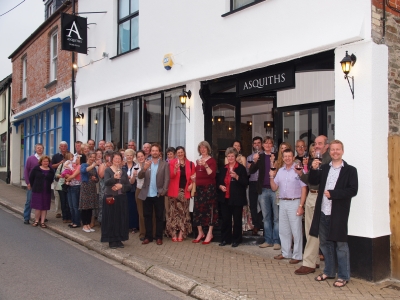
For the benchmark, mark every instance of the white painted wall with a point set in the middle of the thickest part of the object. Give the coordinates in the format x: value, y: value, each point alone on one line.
x: 311, y: 87
x: 362, y: 125
x: 205, y: 45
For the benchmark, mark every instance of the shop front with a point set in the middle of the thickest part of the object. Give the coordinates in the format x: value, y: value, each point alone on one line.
x: 289, y: 101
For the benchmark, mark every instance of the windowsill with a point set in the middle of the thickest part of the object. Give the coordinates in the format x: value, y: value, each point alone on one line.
x: 116, y: 56
x: 23, y: 100
x: 50, y: 84
x: 241, y: 8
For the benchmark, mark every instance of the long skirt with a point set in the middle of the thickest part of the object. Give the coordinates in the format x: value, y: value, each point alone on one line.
x: 115, y: 221
x: 178, y: 217
x: 205, y: 210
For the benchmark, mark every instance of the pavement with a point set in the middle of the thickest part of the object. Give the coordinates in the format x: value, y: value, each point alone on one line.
x: 210, y: 271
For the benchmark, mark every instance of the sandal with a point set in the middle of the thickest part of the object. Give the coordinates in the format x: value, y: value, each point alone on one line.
x: 321, y: 277
x: 35, y: 224
x: 43, y: 225
x: 340, y: 281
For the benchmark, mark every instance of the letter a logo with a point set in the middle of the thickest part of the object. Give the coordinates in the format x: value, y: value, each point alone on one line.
x: 74, y: 29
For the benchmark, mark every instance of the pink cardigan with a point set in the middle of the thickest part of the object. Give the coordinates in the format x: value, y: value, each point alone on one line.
x: 173, y: 188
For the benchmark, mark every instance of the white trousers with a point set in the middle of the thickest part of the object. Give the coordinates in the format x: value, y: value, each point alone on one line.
x: 290, y: 226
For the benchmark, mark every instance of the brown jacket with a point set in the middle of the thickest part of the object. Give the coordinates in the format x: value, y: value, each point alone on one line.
x: 162, y: 180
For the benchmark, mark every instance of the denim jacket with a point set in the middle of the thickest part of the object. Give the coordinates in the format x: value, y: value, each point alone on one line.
x: 85, y: 174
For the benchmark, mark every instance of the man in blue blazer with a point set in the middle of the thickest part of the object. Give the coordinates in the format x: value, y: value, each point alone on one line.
x: 338, y: 183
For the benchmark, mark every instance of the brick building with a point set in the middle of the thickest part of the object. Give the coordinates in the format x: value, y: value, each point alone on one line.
x: 41, y: 98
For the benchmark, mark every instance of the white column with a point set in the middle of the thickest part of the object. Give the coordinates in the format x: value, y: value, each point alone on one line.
x: 362, y: 125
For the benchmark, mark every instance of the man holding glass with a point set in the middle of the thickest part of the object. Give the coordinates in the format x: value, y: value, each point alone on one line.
x: 338, y: 183
x: 253, y: 194
x: 292, y: 196
x: 266, y: 196
x: 311, y: 251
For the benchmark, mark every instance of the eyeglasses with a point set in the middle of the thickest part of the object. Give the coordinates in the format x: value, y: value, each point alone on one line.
x: 299, y: 146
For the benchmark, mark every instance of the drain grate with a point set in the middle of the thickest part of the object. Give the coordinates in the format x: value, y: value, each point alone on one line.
x: 393, y: 287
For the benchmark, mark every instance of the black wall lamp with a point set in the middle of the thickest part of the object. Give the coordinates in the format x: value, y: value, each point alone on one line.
x: 78, y: 118
x: 347, y: 62
x: 286, y: 132
x: 268, y: 125
x: 182, y: 99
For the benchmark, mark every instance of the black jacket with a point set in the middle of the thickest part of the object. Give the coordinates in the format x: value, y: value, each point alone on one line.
x: 346, y: 187
x: 237, y: 194
x: 259, y: 166
x: 37, y: 179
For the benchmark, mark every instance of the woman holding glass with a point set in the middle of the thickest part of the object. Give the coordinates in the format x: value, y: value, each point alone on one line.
x: 240, y: 158
x: 132, y: 207
x: 232, y: 184
x: 180, y: 186
x: 41, y: 177
x: 88, y: 196
x: 100, y: 172
x: 74, y: 192
x: 115, y: 221
x: 205, y: 212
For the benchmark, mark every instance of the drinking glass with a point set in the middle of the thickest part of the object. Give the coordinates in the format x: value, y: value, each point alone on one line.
x: 318, y: 156
x: 298, y: 165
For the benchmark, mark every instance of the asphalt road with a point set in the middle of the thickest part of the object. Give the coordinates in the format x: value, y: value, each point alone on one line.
x: 38, y: 264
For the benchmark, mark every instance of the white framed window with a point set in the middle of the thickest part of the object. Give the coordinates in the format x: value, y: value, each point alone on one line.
x: 53, y: 56
x: 128, y: 25
x: 3, y: 107
x: 24, y: 76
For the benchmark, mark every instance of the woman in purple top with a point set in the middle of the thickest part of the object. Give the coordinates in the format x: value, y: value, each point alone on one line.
x: 41, y: 178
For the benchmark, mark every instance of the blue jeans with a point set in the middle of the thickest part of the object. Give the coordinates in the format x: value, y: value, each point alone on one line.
x: 28, y: 209
x: 270, y: 212
x: 333, y: 251
x: 73, y: 202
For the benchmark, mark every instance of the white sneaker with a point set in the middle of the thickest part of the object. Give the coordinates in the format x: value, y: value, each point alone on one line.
x: 92, y: 230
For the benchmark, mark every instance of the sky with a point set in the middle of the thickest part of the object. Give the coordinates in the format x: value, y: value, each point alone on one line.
x: 16, y: 26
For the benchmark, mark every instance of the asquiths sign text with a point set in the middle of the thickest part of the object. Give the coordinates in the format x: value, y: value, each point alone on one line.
x: 73, y: 33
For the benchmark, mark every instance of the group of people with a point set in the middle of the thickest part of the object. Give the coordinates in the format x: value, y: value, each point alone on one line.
x: 140, y: 192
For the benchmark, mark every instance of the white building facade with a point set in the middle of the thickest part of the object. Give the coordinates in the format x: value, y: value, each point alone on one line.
x: 246, y: 63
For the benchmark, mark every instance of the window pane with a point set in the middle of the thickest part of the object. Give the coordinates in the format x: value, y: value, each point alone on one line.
x: 50, y: 147
x: 44, y: 142
x: 130, y: 122
x: 113, y: 125
x: 134, y: 33
x: 331, y: 123
x: 58, y: 140
x: 175, y: 121
x: 134, y: 5
x: 32, y: 145
x: 39, y: 129
x: 97, y: 129
x: 54, y: 46
x: 51, y: 125
x: 240, y: 3
x: 59, y: 116
x: 152, y: 119
x: 45, y: 120
x: 123, y: 43
x: 33, y: 125
x: 28, y: 126
x: 123, y: 8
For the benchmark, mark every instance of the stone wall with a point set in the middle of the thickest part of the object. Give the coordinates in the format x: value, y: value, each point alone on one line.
x: 392, y: 40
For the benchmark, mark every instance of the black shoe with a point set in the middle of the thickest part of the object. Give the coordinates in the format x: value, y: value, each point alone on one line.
x: 113, y: 245
x: 223, y: 243
x: 120, y: 245
x: 235, y: 245
x: 26, y: 222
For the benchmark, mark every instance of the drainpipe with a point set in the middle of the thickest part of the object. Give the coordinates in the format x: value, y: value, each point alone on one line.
x: 383, y: 22
x: 73, y: 88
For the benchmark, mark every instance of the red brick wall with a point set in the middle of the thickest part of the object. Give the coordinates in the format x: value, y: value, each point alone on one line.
x: 392, y: 3
x: 37, y: 52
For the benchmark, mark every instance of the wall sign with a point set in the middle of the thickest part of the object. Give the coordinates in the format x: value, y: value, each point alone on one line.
x: 268, y: 81
x: 73, y: 33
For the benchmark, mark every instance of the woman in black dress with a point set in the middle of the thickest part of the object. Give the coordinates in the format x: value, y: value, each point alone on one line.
x: 115, y: 220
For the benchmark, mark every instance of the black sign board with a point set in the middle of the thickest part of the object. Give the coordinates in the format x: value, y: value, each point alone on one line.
x: 73, y: 33
x: 268, y: 81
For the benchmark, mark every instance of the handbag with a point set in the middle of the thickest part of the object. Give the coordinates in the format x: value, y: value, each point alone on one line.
x: 65, y: 187
x: 110, y: 200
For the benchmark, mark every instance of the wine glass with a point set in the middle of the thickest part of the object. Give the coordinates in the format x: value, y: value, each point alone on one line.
x: 298, y: 165
x: 273, y: 166
x: 318, y: 156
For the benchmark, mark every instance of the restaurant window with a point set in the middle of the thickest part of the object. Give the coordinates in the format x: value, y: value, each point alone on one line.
x: 175, y: 121
x: 53, y: 56
x: 113, y: 125
x: 151, y: 117
x: 128, y: 25
x: 3, y: 150
x: 97, y: 124
x: 129, y: 120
